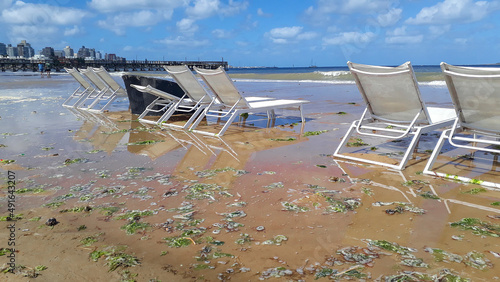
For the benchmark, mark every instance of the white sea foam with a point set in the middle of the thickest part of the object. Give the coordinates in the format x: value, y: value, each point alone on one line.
x: 333, y: 73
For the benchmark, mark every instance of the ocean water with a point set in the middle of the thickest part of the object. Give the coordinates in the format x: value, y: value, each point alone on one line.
x: 426, y: 74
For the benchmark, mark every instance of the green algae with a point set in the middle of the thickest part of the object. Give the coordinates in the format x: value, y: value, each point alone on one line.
x: 134, y: 226
x: 313, y: 133
x: 478, y: 227
x: 293, y: 207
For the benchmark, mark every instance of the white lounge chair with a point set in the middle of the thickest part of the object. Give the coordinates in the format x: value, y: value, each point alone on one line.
x: 475, y: 93
x: 230, y: 103
x: 81, y: 92
x: 194, y: 99
x: 396, y: 109
x: 162, y: 102
x: 109, y: 89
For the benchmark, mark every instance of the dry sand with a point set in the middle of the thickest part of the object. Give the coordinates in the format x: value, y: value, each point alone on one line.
x: 255, y: 204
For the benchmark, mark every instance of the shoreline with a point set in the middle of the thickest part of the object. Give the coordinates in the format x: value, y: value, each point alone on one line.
x: 316, y: 212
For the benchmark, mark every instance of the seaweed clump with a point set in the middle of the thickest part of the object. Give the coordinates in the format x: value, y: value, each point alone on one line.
x: 478, y: 227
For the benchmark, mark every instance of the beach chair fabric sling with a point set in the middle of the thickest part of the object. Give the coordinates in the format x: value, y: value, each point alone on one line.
x: 475, y: 93
x: 100, y: 86
x: 230, y: 103
x: 107, y: 86
x: 81, y: 92
x: 113, y: 89
x: 395, y: 107
x: 194, y: 99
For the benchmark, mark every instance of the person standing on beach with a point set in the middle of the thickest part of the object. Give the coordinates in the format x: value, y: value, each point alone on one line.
x: 40, y: 68
x: 47, y: 69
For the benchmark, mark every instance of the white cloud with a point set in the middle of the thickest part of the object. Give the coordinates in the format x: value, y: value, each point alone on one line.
x: 261, y: 13
x: 397, y: 31
x: 461, y: 41
x: 4, y: 4
x: 72, y: 31
x: 108, y: 6
x: 401, y: 36
x: 437, y: 31
x: 203, y: 9
x: 36, y: 34
x: 389, y: 18
x: 187, y: 26
x: 285, y: 32
x: 183, y: 42
x: 283, y: 35
x: 119, y: 22
x: 350, y: 6
x: 220, y: 33
x: 349, y: 38
x: 41, y: 14
x: 408, y: 39
x: 450, y: 11
x: 307, y: 35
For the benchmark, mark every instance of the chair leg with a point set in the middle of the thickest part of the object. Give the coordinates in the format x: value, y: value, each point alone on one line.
x: 302, y: 114
x: 228, y: 123
x: 193, y: 117
x: 435, y: 153
x: 199, y: 119
x: 345, y: 139
x: 409, y: 152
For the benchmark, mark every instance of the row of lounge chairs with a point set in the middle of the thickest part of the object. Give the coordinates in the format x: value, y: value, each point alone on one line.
x: 394, y: 107
x: 97, y: 87
x: 396, y: 110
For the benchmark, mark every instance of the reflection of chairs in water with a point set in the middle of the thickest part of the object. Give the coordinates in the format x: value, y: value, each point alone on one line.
x: 102, y: 132
x: 209, y: 152
x: 411, y: 195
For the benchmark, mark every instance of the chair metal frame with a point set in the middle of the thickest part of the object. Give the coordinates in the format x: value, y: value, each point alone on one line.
x: 109, y: 89
x: 424, y: 119
x: 462, y: 124
x: 221, y: 108
x: 81, y: 92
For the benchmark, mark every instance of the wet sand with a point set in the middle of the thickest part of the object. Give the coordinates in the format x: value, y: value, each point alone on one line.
x: 256, y: 204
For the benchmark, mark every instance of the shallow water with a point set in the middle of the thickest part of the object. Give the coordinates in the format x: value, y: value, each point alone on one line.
x: 291, y: 188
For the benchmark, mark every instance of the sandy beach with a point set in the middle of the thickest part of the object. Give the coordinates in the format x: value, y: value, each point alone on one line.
x: 135, y: 202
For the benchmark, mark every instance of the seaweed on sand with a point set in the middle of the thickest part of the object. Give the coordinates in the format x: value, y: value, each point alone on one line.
x: 115, y: 257
x: 478, y: 227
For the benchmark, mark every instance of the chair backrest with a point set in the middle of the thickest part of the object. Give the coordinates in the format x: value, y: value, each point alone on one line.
x: 222, y: 86
x: 475, y: 93
x: 188, y: 82
x: 79, y: 78
x: 90, y: 74
x: 390, y: 93
x: 110, y: 81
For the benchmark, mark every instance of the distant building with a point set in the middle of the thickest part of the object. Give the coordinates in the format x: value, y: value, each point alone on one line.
x: 110, y: 57
x: 98, y: 55
x: 59, y: 53
x: 3, y: 49
x: 83, y: 52
x: 48, y: 52
x: 11, y: 51
x: 25, y: 50
x: 68, y: 52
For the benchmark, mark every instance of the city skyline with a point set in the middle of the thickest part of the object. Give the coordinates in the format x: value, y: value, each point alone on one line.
x: 265, y: 33
x: 50, y: 52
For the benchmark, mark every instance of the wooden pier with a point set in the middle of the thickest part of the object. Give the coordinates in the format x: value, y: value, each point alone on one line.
x: 58, y: 64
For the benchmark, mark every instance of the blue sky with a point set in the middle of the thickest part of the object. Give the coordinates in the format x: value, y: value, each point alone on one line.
x: 264, y: 32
